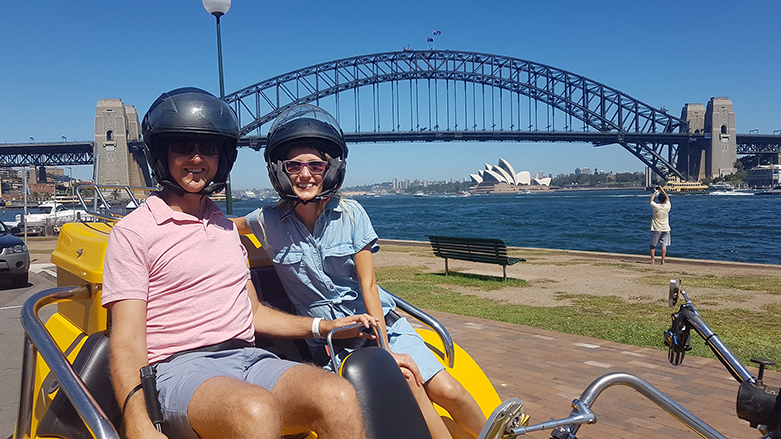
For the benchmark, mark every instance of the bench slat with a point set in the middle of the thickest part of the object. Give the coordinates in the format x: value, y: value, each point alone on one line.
x: 486, y: 250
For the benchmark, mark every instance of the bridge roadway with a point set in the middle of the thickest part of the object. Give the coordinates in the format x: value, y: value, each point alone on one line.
x: 82, y: 152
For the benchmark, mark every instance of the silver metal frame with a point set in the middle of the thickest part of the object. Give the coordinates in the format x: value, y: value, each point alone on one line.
x: 38, y: 340
x: 582, y: 414
x: 431, y: 322
x: 722, y: 352
x: 99, y: 199
x: 330, y: 341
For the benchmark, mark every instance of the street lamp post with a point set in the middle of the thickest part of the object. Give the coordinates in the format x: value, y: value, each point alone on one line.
x: 218, y: 8
x: 70, y: 186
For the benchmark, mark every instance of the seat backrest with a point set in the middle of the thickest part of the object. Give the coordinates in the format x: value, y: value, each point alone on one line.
x: 91, y: 364
x: 389, y: 408
x: 271, y: 293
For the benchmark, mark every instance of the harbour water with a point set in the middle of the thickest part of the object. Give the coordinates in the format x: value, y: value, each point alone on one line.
x: 727, y: 227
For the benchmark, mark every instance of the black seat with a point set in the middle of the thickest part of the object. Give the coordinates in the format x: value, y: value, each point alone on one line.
x: 271, y: 293
x: 389, y: 408
x: 91, y: 364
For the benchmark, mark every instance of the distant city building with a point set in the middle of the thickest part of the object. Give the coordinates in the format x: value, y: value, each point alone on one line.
x: 582, y: 171
x: 764, y: 176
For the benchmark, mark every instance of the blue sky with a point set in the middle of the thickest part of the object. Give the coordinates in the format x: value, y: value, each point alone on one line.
x: 59, y: 58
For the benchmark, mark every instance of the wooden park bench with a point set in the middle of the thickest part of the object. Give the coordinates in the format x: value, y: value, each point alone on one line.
x: 486, y: 250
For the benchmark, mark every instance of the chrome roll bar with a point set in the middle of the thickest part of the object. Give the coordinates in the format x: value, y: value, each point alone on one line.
x: 431, y: 322
x: 38, y: 340
x: 582, y: 414
x: 99, y: 207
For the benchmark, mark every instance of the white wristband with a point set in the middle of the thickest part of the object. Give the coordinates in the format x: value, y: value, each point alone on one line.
x: 316, y: 327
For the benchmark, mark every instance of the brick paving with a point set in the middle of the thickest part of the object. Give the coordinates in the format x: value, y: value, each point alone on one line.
x: 547, y: 370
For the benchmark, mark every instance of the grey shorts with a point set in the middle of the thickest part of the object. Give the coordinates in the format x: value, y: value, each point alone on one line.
x: 657, y: 237
x: 178, y: 378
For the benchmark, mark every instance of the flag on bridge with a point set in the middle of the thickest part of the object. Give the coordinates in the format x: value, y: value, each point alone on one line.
x: 429, y: 40
x: 437, y: 32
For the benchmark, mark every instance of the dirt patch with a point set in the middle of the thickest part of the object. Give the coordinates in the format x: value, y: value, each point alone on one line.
x: 630, y: 277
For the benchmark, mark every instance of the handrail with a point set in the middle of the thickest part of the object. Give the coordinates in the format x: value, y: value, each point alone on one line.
x: 99, y: 198
x: 439, y: 328
x: 581, y: 412
x: 37, y: 338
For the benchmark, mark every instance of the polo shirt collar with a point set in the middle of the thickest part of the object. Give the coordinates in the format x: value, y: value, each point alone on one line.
x: 162, y: 212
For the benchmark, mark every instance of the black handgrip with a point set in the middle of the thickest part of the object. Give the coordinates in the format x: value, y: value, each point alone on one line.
x: 150, y: 396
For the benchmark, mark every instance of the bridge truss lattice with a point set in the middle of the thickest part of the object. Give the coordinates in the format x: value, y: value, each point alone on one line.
x: 440, y: 95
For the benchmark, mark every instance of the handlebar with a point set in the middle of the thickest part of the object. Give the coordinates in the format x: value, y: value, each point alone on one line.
x: 757, y: 403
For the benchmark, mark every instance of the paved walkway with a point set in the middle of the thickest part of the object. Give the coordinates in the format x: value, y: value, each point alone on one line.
x: 547, y: 370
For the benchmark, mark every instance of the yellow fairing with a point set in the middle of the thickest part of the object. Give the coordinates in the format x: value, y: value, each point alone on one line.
x: 79, y: 256
x: 79, y: 259
x: 467, y: 372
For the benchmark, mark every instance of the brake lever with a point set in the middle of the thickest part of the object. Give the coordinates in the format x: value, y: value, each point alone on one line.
x: 677, y: 337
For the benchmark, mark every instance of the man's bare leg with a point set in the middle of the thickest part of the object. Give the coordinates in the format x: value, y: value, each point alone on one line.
x: 653, y: 254
x: 311, y: 399
x: 664, y: 253
x: 225, y: 407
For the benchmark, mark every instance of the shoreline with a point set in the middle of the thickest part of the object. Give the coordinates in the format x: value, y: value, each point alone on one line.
x: 41, y: 248
x: 606, y: 255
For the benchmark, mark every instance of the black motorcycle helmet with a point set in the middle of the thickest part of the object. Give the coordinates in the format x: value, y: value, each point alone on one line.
x: 190, y: 112
x: 310, y: 126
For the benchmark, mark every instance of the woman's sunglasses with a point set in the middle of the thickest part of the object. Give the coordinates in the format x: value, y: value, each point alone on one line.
x: 316, y: 167
x: 187, y: 146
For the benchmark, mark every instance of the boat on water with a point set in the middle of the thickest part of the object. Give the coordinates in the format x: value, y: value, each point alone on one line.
x: 775, y: 191
x: 678, y: 185
x: 721, y: 187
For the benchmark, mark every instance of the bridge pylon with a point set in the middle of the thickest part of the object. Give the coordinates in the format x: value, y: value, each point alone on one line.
x: 119, y: 151
x: 714, y: 154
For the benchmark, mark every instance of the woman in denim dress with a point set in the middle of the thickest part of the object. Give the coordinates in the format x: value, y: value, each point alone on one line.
x: 322, y: 247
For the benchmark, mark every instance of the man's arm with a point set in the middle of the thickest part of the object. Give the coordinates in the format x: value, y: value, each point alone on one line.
x: 127, y: 354
x: 653, y: 195
x: 278, y: 324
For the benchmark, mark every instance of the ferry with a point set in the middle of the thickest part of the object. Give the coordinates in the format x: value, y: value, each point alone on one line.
x: 678, y: 185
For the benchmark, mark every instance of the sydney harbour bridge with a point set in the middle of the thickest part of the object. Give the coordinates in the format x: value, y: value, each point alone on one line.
x: 446, y: 96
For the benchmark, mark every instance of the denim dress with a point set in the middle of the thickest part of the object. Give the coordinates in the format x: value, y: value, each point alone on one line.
x: 318, y: 271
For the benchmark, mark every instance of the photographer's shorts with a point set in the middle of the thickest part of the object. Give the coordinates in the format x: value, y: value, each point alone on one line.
x: 657, y: 237
x: 178, y: 378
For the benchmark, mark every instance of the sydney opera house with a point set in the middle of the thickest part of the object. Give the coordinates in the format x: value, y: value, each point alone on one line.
x: 502, y: 178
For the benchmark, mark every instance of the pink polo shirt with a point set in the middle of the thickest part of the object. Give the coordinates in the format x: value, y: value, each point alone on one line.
x: 191, y: 273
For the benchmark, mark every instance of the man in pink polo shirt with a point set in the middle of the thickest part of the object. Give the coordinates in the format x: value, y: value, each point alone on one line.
x: 178, y: 289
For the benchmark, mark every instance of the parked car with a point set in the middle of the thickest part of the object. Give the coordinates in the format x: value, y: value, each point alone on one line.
x: 50, y: 216
x: 14, y: 257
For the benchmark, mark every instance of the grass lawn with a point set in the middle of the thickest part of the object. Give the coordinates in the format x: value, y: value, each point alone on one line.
x: 747, y: 333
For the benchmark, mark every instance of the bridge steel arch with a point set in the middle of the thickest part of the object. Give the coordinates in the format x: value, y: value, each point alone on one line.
x: 443, y: 95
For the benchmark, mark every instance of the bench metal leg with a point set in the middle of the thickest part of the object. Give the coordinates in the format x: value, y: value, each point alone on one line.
x: 504, y: 272
x: 445, y: 266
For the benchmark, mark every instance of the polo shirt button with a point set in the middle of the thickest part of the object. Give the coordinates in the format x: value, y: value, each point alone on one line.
x: 320, y: 268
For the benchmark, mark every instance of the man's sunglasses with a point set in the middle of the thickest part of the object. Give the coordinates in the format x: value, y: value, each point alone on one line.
x: 316, y: 167
x: 187, y: 146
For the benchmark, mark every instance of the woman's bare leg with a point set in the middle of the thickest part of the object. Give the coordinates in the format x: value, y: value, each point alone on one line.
x: 444, y: 390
